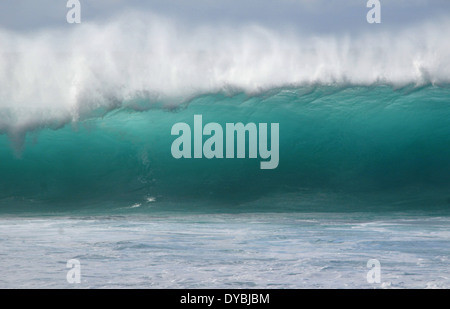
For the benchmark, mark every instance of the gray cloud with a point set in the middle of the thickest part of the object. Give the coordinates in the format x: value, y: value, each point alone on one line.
x: 324, y: 16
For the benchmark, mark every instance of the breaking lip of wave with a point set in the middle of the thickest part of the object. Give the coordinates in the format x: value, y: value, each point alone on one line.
x: 51, y: 78
x: 389, y: 152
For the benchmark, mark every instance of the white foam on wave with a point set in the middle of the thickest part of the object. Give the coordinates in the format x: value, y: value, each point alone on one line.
x: 53, y: 77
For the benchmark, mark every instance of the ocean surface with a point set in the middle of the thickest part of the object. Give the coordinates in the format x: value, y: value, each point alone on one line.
x: 364, y: 174
x: 226, y: 250
x: 87, y: 173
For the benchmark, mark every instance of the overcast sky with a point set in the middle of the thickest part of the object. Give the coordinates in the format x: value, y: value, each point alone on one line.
x: 318, y: 16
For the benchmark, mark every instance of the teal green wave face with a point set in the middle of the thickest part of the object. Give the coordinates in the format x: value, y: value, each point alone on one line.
x: 376, y: 141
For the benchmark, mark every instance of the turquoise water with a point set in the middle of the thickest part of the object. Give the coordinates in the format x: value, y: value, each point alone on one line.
x: 364, y: 173
x: 357, y: 146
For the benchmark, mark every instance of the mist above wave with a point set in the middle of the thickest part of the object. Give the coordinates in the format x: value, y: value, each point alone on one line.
x: 54, y: 77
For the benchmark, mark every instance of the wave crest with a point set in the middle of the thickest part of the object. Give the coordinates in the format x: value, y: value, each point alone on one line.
x: 54, y: 77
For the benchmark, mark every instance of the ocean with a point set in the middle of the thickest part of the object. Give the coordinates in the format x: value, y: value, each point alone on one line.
x: 87, y: 173
x: 356, y: 181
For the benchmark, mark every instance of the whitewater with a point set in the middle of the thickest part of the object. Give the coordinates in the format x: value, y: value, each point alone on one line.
x: 86, y: 170
x: 54, y: 77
